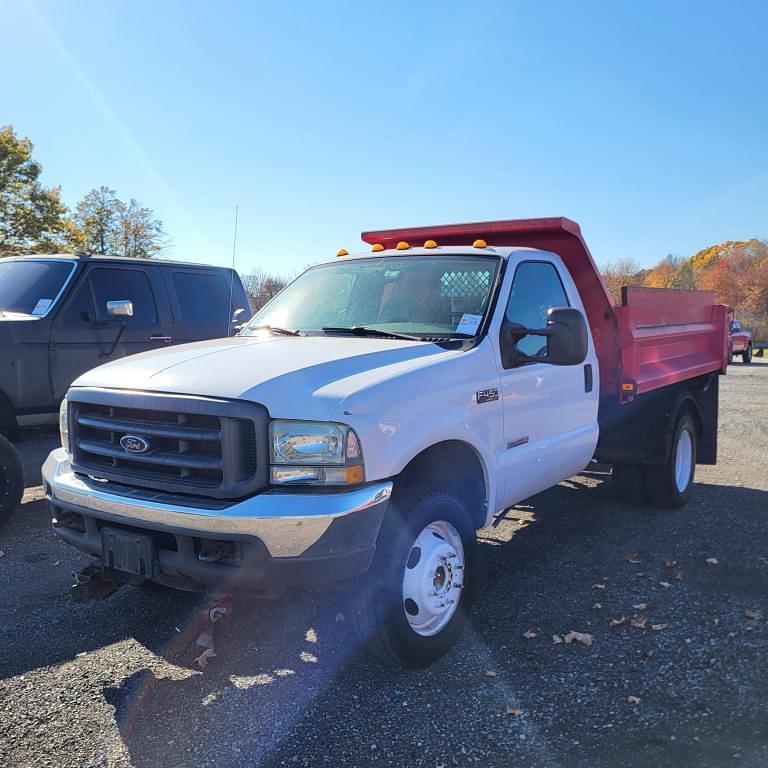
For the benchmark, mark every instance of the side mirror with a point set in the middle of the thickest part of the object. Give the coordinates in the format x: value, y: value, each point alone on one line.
x: 120, y: 308
x: 237, y: 314
x: 567, y: 337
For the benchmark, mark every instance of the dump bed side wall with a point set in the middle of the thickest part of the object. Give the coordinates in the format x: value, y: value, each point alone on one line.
x: 668, y: 336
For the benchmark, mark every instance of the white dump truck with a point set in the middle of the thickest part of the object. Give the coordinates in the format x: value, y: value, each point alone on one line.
x: 377, y: 413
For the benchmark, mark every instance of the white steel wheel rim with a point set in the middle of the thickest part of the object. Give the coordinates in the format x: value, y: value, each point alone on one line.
x: 683, y: 460
x: 433, y: 578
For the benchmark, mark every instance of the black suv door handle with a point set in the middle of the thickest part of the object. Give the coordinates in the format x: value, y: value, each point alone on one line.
x: 588, y: 377
x: 166, y: 339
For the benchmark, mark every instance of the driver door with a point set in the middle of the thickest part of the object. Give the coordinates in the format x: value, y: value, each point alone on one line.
x: 84, y: 335
x: 550, y: 411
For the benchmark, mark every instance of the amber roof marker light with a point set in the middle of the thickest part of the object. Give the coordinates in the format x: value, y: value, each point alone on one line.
x: 342, y: 252
x: 402, y: 246
x: 479, y: 243
x: 430, y: 244
x: 376, y: 247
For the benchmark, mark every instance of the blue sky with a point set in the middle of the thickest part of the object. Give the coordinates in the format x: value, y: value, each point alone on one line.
x: 646, y: 122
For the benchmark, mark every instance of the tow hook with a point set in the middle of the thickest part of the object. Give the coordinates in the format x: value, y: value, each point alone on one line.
x: 94, y: 583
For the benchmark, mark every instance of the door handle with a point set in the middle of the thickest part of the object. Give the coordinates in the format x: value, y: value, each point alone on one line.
x: 166, y: 339
x: 588, y: 383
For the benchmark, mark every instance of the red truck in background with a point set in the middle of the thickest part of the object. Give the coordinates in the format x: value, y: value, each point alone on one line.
x: 739, y: 340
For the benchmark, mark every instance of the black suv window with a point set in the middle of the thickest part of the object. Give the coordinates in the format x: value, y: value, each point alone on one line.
x: 536, y: 288
x: 203, y: 299
x: 114, y: 284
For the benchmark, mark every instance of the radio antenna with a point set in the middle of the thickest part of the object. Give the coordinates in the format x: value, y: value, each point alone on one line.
x: 232, y: 275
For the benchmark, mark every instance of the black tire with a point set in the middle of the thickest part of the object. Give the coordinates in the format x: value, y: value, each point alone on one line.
x: 746, y: 355
x: 629, y: 483
x: 11, y: 479
x: 730, y: 355
x: 378, y: 611
x: 661, y: 481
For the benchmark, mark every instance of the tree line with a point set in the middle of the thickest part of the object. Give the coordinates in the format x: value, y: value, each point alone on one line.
x: 34, y: 219
x: 737, y: 271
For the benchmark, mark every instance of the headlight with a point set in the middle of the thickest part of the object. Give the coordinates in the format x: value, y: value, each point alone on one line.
x: 314, y: 452
x: 64, y: 423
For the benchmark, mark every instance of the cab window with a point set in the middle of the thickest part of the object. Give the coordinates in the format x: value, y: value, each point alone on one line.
x: 536, y: 289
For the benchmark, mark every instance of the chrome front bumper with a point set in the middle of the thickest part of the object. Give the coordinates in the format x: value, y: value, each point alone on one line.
x: 286, y: 521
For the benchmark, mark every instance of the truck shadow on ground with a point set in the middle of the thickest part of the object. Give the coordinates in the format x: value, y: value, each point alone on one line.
x: 288, y: 672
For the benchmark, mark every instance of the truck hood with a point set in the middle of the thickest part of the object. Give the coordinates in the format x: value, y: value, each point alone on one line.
x: 294, y: 377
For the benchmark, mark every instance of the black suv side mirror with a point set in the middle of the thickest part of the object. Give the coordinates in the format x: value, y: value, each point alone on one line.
x: 566, y: 334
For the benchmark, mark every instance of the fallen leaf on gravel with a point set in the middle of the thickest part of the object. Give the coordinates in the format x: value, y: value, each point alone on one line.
x: 711, y: 561
x: 670, y: 563
x: 598, y: 586
x: 640, y: 606
x: 56, y: 563
x: 647, y: 655
x: 556, y: 639
x: 220, y: 611
x: 579, y: 637
x: 716, y: 622
x: 658, y: 627
x: 339, y: 617
x: 679, y: 577
x: 687, y: 641
x: 618, y: 622
x: 639, y: 622
x: 641, y: 574
x: 202, y: 659
x: 597, y: 605
x: 633, y: 700
x: 633, y: 558
x: 529, y: 634
x: 750, y: 614
x: 490, y: 673
x: 514, y: 712
x: 665, y: 584
x: 2, y: 553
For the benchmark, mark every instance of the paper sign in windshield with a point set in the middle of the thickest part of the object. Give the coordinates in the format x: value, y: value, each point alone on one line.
x: 469, y: 324
x: 42, y: 306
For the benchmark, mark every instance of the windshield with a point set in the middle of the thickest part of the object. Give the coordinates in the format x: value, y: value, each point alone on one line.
x: 31, y: 287
x: 435, y: 296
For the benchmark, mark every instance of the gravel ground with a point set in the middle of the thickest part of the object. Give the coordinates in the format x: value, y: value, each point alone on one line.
x: 116, y: 684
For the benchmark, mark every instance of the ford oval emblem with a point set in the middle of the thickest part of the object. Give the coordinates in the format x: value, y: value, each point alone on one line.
x: 134, y: 444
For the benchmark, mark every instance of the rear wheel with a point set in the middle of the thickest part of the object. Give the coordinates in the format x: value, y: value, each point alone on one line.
x: 11, y: 479
x: 412, y: 605
x: 746, y: 355
x: 669, y: 485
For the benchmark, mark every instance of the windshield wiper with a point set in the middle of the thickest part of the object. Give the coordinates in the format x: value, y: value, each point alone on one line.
x: 276, y: 330
x: 362, y: 330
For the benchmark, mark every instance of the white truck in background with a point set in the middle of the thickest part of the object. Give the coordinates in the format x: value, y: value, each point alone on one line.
x: 380, y: 410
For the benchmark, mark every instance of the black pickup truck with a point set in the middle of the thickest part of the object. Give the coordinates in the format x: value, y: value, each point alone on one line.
x: 62, y: 314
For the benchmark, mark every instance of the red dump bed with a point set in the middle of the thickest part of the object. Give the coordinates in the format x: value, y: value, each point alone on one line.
x: 660, y: 336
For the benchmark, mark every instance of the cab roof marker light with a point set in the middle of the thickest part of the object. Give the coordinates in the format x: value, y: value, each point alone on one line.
x: 402, y: 246
x: 342, y: 252
x: 376, y: 247
x: 479, y: 243
x: 430, y: 244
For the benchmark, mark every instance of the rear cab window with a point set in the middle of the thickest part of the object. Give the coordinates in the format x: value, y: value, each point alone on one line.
x: 203, y: 299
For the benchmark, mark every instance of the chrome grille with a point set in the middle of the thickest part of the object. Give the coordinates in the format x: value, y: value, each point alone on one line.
x: 178, y: 444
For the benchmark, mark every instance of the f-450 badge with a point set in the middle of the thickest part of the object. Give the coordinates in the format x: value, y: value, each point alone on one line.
x: 487, y: 395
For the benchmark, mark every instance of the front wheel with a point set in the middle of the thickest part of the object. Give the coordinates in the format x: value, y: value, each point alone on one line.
x: 746, y: 355
x: 11, y: 479
x: 412, y: 605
